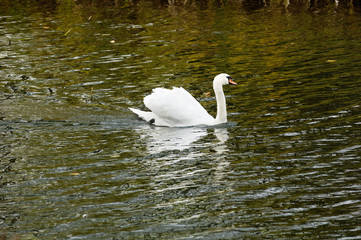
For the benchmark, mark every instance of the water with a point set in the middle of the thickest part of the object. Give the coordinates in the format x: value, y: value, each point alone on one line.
x: 77, y: 164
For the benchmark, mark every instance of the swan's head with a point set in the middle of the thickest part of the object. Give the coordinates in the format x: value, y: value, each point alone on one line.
x: 223, y: 79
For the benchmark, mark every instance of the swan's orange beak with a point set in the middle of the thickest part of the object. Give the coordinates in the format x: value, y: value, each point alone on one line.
x: 230, y: 81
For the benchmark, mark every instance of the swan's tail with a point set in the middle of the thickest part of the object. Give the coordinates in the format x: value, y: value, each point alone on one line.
x: 146, y: 116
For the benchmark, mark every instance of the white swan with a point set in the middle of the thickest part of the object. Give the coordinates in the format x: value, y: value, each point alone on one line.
x: 178, y: 108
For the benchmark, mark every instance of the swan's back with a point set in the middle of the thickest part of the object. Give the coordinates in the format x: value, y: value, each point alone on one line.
x: 176, y: 107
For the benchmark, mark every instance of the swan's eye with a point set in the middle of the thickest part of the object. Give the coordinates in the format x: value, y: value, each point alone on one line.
x: 229, y: 77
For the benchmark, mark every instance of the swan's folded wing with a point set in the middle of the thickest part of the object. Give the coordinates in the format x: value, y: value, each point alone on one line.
x: 177, y: 107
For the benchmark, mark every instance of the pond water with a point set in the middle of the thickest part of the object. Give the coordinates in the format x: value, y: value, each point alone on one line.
x: 77, y: 164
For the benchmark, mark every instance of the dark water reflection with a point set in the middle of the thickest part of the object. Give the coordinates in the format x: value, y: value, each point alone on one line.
x: 76, y: 164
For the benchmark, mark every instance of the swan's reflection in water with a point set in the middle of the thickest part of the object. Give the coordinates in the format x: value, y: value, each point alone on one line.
x: 186, y: 167
x: 162, y: 139
x: 222, y: 135
x: 221, y: 148
x: 181, y: 158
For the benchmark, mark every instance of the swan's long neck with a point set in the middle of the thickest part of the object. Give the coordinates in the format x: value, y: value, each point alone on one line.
x: 221, y: 103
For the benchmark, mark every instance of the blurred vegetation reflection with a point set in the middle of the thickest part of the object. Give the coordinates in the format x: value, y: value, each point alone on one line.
x: 27, y: 6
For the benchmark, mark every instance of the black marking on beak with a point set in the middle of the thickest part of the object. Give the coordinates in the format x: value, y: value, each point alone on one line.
x: 230, y: 81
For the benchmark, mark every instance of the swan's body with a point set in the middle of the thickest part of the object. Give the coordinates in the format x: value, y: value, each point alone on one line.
x: 178, y: 108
